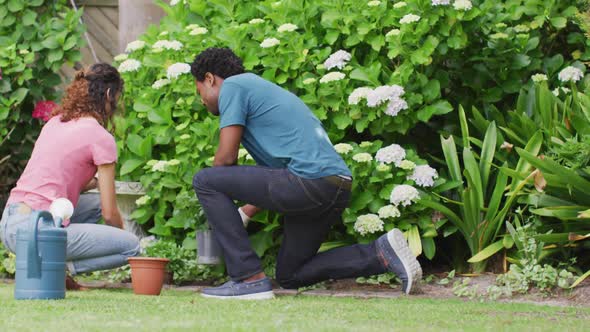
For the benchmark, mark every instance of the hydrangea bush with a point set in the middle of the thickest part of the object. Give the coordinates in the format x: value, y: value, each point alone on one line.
x: 363, y: 73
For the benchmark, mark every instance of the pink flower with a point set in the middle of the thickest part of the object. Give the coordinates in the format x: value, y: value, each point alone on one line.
x: 43, y: 110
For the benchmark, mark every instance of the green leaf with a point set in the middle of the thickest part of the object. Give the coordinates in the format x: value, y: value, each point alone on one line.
x: 487, y: 252
x: 431, y: 91
x: 580, y: 279
x: 414, y: 241
x: 487, y: 154
x: 19, y: 95
x: 130, y: 165
x: 361, y: 200
x: 55, y: 55
x: 452, y: 160
x: 15, y: 5
x: 438, y: 108
x: 50, y: 42
x: 29, y: 17
x: 261, y: 242
x: 559, y: 22
x: 342, y: 120
x: 428, y: 247
x: 360, y: 75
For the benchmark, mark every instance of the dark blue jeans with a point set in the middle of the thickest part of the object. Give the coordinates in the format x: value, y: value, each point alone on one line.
x: 310, y: 208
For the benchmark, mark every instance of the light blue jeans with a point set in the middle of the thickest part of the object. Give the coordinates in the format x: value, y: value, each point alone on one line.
x: 90, y: 247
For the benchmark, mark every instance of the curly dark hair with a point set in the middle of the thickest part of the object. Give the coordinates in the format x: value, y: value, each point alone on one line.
x: 87, y: 94
x: 222, y: 62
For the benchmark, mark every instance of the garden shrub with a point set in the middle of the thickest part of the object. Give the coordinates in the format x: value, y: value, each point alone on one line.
x: 36, y: 38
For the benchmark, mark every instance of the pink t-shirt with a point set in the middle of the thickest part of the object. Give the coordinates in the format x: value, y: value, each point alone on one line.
x: 64, y: 160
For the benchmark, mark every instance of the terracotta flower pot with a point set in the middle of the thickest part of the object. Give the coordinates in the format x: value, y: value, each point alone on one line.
x: 147, y: 274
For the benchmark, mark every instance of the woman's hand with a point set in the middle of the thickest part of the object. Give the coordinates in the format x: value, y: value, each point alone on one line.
x: 92, y: 184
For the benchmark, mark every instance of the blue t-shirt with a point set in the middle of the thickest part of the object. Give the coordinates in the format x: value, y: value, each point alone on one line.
x: 280, y: 131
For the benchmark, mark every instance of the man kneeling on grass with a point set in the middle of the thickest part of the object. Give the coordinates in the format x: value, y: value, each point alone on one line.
x: 300, y: 175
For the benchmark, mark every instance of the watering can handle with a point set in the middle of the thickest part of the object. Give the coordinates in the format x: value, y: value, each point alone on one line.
x: 33, y: 258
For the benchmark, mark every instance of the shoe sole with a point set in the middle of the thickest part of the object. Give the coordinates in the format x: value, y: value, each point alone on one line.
x: 402, y: 250
x: 256, y: 296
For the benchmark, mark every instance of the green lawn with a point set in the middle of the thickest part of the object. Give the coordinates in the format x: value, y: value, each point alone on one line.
x: 120, y: 310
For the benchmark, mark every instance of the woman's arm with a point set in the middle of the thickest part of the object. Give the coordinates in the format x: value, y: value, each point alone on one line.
x: 108, y: 201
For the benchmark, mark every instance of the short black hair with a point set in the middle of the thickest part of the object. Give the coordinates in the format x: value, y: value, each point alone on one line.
x: 220, y: 61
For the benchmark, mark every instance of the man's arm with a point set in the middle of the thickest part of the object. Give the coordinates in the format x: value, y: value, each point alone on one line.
x: 229, y: 145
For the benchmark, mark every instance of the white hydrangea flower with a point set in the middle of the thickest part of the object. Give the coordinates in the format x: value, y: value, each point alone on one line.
x: 564, y: 90
x: 242, y: 153
x: 382, y: 168
x: 384, y: 93
x: 395, y: 106
x: 174, y: 162
x: 23, y: 52
x: 409, y: 18
x: 441, y: 2
x: 393, y: 153
x: 368, y: 224
x: 389, y: 211
x: 160, y: 83
x: 343, y: 148
x: 404, y: 194
x: 129, y: 65
x: 407, y: 165
x: 331, y: 77
x: 393, y: 32
x: 146, y: 242
x: 135, y: 45
x: 159, y: 166
x: 270, y: 42
x: 174, y: 2
x: 400, y: 4
x: 163, y: 33
x: 192, y: 26
x: 178, y: 69
x: 121, y: 57
x: 462, y: 5
x: 310, y: 80
x: 570, y: 73
x: 198, y: 31
x: 167, y: 45
x: 256, y: 21
x: 185, y: 136
x: 287, y: 27
x: 339, y: 59
x: 142, y: 200
x: 362, y: 157
x: 373, y: 3
x: 424, y: 176
x: 538, y: 78
x: 358, y: 94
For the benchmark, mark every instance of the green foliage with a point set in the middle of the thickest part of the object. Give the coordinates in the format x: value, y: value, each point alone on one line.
x: 36, y: 39
x: 7, y: 262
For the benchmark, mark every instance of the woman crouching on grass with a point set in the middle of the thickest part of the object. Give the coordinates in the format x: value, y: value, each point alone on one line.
x: 71, y: 147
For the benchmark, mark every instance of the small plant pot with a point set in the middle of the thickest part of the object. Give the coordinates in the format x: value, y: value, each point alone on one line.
x: 147, y: 274
x: 208, y: 251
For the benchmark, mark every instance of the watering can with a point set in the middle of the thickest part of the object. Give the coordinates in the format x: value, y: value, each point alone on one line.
x: 41, y: 254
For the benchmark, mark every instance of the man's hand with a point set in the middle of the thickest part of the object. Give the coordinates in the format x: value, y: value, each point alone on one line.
x: 248, y: 211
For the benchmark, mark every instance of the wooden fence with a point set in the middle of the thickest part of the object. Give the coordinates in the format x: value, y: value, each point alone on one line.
x: 101, y: 18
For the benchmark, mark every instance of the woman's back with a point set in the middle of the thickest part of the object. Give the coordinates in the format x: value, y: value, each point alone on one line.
x: 63, y: 161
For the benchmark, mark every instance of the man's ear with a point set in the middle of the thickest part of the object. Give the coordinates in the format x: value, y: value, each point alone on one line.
x: 210, y: 78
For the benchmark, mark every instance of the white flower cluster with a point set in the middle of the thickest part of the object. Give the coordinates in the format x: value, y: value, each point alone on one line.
x: 373, y: 3
x: 389, y: 211
x: 287, y: 27
x: 337, y: 60
x: 570, y: 73
x: 400, y: 4
x: 176, y: 2
x: 384, y: 93
x: 395, y: 106
x: 198, y: 31
x: 441, y: 2
x: 142, y: 200
x: 463, y: 5
x: 343, y: 148
x: 256, y: 21
x: 167, y: 45
x: 362, y: 157
x: 404, y: 194
x: 538, y: 78
x: 562, y: 89
x: 178, y: 69
x: 146, y: 242
x: 129, y: 65
x: 269, y: 42
x: 121, y: 57
x: 358, y: 94
x: 383, y: 168
x: 135, y: 45
x: 160, y: 83
x: 424, y: 176
x: 407, y: 165
x: 391, y: 154
x: 332, y: 76
x: 368, y: 224
x: 393, y: 32
x: 161, y: 165
x: 409, y: 18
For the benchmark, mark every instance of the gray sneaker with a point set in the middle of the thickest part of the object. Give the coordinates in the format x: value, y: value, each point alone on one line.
x: 396, y: 256
x: 241, y: 290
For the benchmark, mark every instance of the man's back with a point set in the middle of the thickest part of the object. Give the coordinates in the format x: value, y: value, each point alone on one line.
x: 280, y: 131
